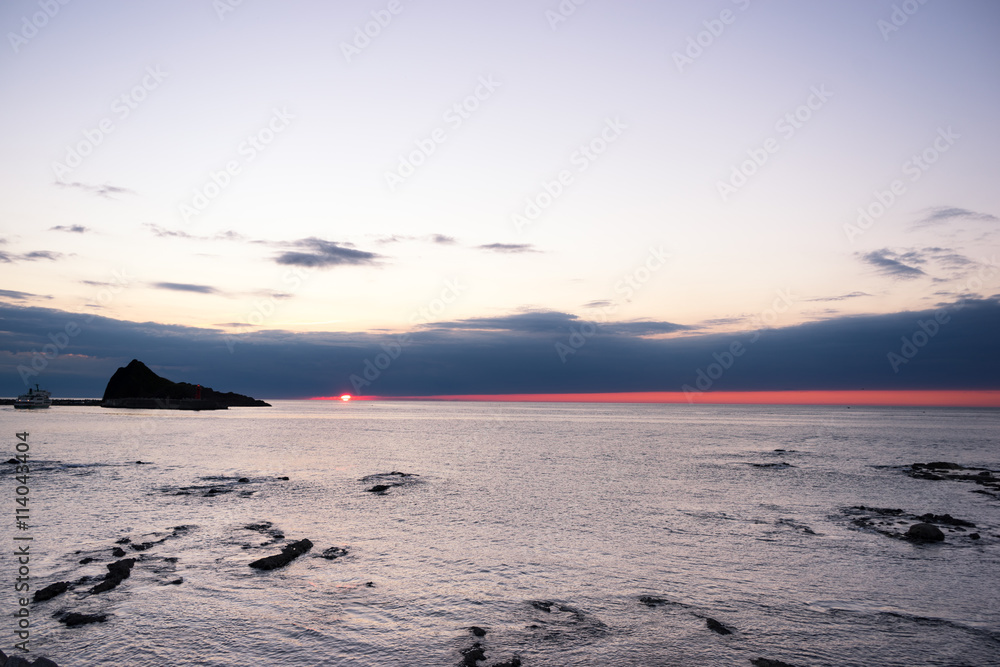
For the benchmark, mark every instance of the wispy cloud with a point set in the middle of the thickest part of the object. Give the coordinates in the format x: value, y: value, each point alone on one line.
x: 186, y: 287
x: 842, y: 297
x: 75, y: 229
x: 944, y: 214
x: 105, y: 190
x: 163, y: 232
x: 597, y: 304
x: 890, y: 263
x: 8, y: 257
x: 319, y: 253
x: 20, y: 296
x: 549, y: 322
x: 509, y: 248
x: 442, y: 239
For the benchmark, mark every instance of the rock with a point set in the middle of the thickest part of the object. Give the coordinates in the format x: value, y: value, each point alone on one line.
x: 51, y: 591
x: 974, y: 536
x: 289, y: 553
x: 43, y: 662
x: 925, y: 532
x: 650, y: 601
x: 136, y: 386
x: 88, y: 559
x: 473, y: 654
x: 283, y: 479
x: 123, y: 540
x: 379, y: 489
x: 118, y: 552
x: 118, y: 572
x: 765, y: 662
x: 945, y: 519
x: 17, y: 661
x: 144, y: 546
x: 13, y: 461
x: 243, y: 480
x: 715, y: 626
x: 943, y: 465
x: 477, y: 631
x: 73, y: 619
x: 513, y: 662
x: 334, y: 552
x: 370, y: 584
x: 176, y: 582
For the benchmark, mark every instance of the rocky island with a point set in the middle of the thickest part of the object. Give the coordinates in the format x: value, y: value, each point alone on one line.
x: 136, y: 386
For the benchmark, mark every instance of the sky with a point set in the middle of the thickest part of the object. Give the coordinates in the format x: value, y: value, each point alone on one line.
x: 393, y: 198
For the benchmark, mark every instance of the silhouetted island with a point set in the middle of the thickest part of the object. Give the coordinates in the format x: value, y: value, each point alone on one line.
x: 135, y: 386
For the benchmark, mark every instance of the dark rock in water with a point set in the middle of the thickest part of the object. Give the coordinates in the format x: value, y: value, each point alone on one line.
x: 945, y: 519
x: 925, y: 532
x: 41, y: 662
x: 142, y: 463
x: 473, y: 654
x: 243, y: 480
x: 543, y: 605
x: 513, y: 662
x: 370, y: 584
x: 17, y: 661
x: 940, y: 465
x: 88, y: 559
x: 780, y: 464
x: 51, y: 591
x: 136, y: 386
x: 974, y: 536
x: 715, y: 626
x: 334, y: 552
x: 650, y: 601
x: 879, y: 510
x: 176, y: 582
x: 289, y: 553
x: 118, y: 552
x: 13, y: 461
x: 123, y: 540
x: 765, y: 662
x: 73, y: 619
x: 144, y: 546
x: 379, y: 489
x: 118, y: 572
x: 283, y: 479
x: 477, y: 631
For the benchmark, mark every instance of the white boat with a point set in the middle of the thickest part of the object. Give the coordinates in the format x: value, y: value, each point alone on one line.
x: 35, y: 398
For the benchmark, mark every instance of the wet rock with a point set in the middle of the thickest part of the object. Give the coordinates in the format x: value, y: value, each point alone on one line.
x: 118, y: 552
x: 42, y: 662
x: 243, y: 480
x: 144, y: 546
x: 715, y: 626
x: 939, y: 465
x: 513, y: 662
x: 334, y: 552
x: 651, y: 601
x: 765, y: 662
x: 925, y: 532
x: 176, y: 582
x: 17, y: 661
x: 123, y: 540
x: 477, y: 631
x: 283, y: 479
x: 289, y: 553
x: 780, y: 464
x: 543, y: 605
x: 945, y: 519
x: 879, y: 510
x: 118, y: 572
x: 73, y: 619
x: 473, y: 654
x: 13, y: 461
x: 974, y: 536
x: 51, y: 591
x: 380, y: 489
x: 370, y: 584
x: 88, y: 559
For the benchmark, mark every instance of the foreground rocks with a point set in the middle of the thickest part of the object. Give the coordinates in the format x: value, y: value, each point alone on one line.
x: 938, y: 471
x: 925, y: 532
x: 898, y: 524
x: 288, y: 553
x: 388, y: 480
x: 118, y: 572
x: 18, y: 661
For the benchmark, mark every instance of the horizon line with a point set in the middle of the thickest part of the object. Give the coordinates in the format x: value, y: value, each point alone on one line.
x: 973, y: 398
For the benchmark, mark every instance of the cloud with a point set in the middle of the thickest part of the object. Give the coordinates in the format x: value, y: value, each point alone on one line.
x: 75, y: 229
x: 597, y: 304
x: 324, y: 254
x: 842, y: 297
x: 100, y: 190
x: 29, y: 256
x: 185, y: 287
x: 516, y: 354
x: 20, y: 296
x: 553, y: 322
x: 510, y: 248
x: 442, y: 239
x: 163, y: 232
x: 945, y: 214
x: 892, y: 264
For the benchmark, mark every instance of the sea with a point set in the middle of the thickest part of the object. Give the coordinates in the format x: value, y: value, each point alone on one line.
x: 508, y: 533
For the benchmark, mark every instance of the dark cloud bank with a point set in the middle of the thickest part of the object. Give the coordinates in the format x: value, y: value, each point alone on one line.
x: 513, y: 354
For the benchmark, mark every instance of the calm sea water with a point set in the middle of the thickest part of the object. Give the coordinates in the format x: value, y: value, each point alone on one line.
x: 542, y: 523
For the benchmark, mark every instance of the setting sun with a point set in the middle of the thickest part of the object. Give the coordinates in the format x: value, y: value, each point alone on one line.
x: 345, y: 398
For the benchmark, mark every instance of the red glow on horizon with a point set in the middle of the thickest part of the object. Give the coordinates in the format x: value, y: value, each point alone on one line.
x: 912, y: 397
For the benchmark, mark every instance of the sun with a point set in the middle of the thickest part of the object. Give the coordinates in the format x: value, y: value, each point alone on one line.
x: 345, y: 398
